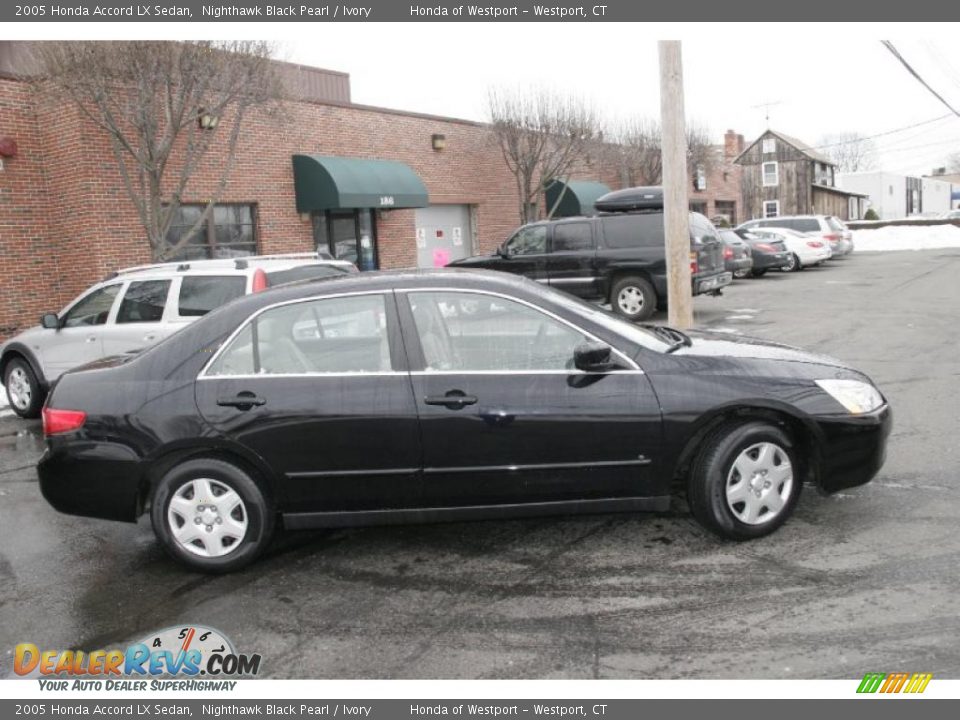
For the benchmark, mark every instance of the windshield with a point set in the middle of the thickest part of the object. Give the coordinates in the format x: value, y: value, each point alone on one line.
x: 607, y: 319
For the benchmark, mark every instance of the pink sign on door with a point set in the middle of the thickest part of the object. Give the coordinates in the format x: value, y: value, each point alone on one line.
x: 441, y: 257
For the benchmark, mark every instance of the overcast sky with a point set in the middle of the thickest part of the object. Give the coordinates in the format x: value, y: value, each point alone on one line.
x: 822, y: 81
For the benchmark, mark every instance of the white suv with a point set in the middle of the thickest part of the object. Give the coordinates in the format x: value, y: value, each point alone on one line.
x: 136, y: 307
x: 826, y: 227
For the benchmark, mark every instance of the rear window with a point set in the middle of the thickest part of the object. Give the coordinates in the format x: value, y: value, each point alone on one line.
x: 303, y: 272
x: 199, y: 294
x: 643, y: 230
x: 144, y: 301
x: 572, y: 236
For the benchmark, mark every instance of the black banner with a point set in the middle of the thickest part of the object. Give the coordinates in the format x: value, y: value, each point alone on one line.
x: 447, y: 11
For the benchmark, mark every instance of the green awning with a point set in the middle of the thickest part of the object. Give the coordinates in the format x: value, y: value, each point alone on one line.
x: 329, y: 183
x: 576, y: 197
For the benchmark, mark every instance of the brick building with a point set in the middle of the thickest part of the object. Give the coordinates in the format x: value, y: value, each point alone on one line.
x: 716, y: 191
x: 431, y: 189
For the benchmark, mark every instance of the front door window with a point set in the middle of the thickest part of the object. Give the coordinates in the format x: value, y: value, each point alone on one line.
x: 348, y: 235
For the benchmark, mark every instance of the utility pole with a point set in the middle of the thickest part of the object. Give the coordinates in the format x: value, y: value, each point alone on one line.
x: 676, y: 210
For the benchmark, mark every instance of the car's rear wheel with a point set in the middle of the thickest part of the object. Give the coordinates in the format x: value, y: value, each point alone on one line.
x: 633, y: 297
x: 759, y: 272
x: 211, y: 515
x: 745, y: 482
x: 23, y: 389
x: 741, y: 273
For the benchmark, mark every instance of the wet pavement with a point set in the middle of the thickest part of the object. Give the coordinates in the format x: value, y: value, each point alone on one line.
x: 866, y: 580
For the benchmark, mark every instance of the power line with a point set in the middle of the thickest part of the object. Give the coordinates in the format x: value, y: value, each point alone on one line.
x: 896, y: 53
x: 883, y: 134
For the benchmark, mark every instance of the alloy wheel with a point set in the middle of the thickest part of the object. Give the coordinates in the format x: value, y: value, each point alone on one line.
x: 630, y: 300
x: 207, y: 518
x: 759, y: 483
x: 18, y: 388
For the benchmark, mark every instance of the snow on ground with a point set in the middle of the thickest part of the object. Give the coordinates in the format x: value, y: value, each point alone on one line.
x: 907, y: 237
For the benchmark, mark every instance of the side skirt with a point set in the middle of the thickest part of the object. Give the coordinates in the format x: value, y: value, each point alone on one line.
x: 355, y: 518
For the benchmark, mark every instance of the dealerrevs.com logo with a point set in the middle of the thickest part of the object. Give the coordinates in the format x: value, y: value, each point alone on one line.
x: 911, y: 683
x: 174, y: 658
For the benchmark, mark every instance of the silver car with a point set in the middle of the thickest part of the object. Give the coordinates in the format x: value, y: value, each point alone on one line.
x: 134, y: 308
x: 826, y: 227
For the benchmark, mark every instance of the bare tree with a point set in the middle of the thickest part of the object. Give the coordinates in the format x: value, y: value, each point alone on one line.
x: 953, y: 163
x: 163, y: 104
x: 637, y: 142
x: 850, y: 151
x: 542, y: 136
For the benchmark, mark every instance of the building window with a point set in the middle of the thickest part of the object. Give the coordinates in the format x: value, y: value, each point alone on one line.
x: 771, y: 174
x: 727, y: 209
x: 700, y: 179
x: 769, y: 146
x: 771, y: 208
x: 698, y: 206
x: 228, y: 231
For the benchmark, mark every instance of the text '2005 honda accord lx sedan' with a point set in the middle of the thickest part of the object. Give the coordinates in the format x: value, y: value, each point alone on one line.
x: 446, y: 395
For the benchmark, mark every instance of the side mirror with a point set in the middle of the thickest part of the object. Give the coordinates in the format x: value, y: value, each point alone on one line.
x: 593, y: 357
x: 50, y: 321
x: 503, y: 252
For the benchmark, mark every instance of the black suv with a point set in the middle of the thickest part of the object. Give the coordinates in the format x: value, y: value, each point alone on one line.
x: 617, y: 257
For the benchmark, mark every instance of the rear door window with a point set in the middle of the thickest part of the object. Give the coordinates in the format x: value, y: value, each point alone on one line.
x: 570, y: 237
x: 640, y: 230
x: 144, y: 301
x: 199, y: 294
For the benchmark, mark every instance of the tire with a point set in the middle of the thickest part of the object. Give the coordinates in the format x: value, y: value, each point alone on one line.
x: 794, y: 265
x: 23, y: 390
x: 741, y: 273
x: 758, y: 273
x: 224, y: 539
x: 633, y: 297
x: 734, y: 511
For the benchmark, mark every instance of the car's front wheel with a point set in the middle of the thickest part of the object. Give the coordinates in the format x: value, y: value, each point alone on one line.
x: 745, y: 482
x: 211, y: 515
x: 24, y: 392
x: 793, y: 264
x: 759, y: 272
x: 634, y: 298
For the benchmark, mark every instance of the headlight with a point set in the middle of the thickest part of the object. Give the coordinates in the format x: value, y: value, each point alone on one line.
x: 857, y: 397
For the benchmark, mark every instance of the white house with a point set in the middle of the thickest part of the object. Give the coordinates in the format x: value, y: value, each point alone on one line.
x: 893, y: 196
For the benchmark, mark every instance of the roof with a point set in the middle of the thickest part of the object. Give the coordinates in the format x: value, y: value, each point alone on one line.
x: 793, y: 142
x: 837, y: 190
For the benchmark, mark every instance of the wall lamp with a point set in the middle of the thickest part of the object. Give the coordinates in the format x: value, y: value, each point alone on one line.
x: 439, y: 142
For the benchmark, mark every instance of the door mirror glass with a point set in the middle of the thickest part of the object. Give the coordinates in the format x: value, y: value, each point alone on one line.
x: 592, y: 356
x: 50, y: 321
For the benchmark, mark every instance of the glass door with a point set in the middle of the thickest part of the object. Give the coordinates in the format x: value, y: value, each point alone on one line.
x: 348, y: 235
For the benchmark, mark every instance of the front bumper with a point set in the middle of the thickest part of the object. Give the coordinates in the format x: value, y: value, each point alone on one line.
x: 852, y: 448
x: 92, y: 479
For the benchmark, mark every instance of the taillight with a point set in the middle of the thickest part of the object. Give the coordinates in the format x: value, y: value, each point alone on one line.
x: 57, y: 421
x: 814, y: 243
x: 727, y: 253
x: 765, y: 247
x: 259, y: 280
x: 694, y: 268
x: 833, y: 237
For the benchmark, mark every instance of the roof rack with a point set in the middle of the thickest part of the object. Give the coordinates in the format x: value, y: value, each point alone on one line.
x: 238, y: 263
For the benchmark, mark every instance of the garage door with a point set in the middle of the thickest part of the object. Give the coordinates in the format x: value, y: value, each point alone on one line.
x: 443, y: 234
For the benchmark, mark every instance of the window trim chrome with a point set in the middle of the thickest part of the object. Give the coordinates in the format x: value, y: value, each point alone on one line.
x: 226, y: 343
x: 634, y: 367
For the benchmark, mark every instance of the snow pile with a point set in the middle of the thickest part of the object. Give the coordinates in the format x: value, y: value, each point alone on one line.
x: 907, y: 237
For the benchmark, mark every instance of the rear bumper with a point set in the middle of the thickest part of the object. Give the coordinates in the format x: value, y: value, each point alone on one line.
x: 853, y: 448
x: 768, y: 261
x: 744, y: 263
x: 711, y: 283
x: 92, y: 479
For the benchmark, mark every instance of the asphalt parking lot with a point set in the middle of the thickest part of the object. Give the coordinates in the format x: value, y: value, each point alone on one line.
x: 867, y: 580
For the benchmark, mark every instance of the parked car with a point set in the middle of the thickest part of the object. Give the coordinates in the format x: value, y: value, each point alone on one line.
x: 399, y: 407
x: 134, y: 308
x: 737, y: 256
x: 766, y: 253
x: 827, y: 227
x: 804, y: 250
x: 617, y: 257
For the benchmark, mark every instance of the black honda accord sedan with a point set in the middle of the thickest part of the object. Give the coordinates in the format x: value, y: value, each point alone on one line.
x: 441, y: 395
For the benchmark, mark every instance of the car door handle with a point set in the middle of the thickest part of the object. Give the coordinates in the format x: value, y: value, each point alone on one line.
x: 91, y: 338
x: 455, y: 400
x: 150, y: 337
x: 243, y: 401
